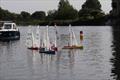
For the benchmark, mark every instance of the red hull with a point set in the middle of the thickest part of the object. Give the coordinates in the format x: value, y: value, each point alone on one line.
x: 55, y: 49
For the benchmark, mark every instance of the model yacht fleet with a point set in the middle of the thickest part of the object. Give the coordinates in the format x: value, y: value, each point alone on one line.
x: 39, y: 40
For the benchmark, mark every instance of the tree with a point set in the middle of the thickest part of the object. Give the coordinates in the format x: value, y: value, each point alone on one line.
x: 25, y: 15
x: 91, y: 9
x: 66, y: 11
x: 6, y: 15
x: 92, y: 5
x: 38, y: 15
x: 51, y: 14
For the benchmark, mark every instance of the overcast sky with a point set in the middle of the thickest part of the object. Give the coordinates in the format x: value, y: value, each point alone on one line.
x: 37, y: 5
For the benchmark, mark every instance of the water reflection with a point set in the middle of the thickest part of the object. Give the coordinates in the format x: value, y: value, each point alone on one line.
x: 51, y: 65
x: 65, y: 62
x: 116, y: 53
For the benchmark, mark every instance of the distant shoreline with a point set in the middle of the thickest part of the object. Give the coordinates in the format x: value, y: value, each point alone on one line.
x: 89, y: 15
x: 98, y: 22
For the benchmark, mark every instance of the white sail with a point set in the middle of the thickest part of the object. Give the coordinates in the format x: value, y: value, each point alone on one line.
x: 43, y: 43
x: 29, y: 37
x: 33, y: 41
x: 47, y: 39
x: 37, y: 37
x: 55, y: 41
x: 70, y: 35
x: 73, y: 40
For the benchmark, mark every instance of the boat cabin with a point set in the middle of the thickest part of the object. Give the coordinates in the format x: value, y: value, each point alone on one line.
x: 9, y: 26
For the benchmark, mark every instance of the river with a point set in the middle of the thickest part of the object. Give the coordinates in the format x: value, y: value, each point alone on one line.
x: 95, y: 62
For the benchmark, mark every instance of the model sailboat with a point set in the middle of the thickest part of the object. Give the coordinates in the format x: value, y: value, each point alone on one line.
x: 54, y: 45
x: 72, y: 44
x: 46, y: 46
x: 33, y: 40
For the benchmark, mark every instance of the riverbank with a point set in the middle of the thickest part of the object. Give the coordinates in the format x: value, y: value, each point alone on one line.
x: 92, y: 22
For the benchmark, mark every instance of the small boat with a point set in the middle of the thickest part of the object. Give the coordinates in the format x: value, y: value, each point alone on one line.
x: 73, y: 47
x: 33, y: 41
x: 44, y: 50
x: 72, y: 44
x: 9, y: 31
x: 46, y: 46
x: 33, y: 44
x: 54, y: 45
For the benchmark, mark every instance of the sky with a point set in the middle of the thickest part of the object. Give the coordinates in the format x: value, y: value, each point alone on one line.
x: 45, y: 5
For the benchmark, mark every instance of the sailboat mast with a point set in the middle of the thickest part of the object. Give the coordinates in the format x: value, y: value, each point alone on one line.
x: 55, y: 36
x: 44, y: 39
x: 70, y: 35
x: 32, y: 40
x: 38, y: 36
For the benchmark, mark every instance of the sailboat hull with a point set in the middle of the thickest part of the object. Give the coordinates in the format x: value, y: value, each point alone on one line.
x: 72, y: 47
x: 54, y: 48
x: 42, y: 50
x: 33, y: 48
x: 48, y: 52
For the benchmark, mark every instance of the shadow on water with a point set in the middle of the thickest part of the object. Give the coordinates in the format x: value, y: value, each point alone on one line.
x: 116, y: 59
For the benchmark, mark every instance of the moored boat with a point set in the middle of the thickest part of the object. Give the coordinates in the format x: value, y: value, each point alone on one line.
x: 9, y: 31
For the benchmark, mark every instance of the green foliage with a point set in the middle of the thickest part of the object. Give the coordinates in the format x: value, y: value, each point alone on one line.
x: 91, y: 10
x: 66, y: 11
x: 5, y: 14
x: 25, y: 16
x: 90, y: 13
x: 51, y: 14
x: 92, y: 5
x: 38, y: 15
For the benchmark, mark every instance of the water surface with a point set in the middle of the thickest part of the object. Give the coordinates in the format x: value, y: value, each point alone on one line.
x: 91, y: 63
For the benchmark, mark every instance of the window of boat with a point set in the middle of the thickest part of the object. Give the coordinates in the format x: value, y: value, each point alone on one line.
x: 14, y: 27
x: 1, y: 24
x: 7, y: 26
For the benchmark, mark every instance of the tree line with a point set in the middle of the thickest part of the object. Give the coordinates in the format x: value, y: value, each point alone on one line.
x: 89, y: 14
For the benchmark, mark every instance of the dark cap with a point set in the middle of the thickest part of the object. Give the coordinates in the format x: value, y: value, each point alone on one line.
x: 81, y: 32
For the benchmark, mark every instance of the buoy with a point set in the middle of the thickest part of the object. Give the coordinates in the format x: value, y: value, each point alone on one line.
x: 81, y: 35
